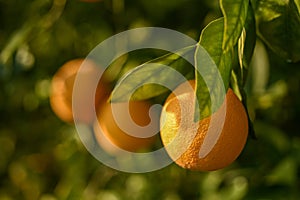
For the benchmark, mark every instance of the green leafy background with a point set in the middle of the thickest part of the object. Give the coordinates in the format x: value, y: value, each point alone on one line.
x: 42, y: 157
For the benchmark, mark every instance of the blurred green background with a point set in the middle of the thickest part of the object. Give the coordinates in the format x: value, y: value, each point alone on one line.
x: 41, y: 157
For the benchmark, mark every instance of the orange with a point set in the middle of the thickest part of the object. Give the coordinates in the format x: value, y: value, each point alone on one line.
x: 113, y: 137
x: 224, y: 142
x: 62, y: 90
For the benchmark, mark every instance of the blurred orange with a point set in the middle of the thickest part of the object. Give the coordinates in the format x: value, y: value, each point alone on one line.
x: 62, y: 91
x: 112, y: 137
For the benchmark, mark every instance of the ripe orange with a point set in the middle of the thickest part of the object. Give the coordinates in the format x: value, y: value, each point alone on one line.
x: 62, y: 90
x: 113, y: 136
x: 221, y: 153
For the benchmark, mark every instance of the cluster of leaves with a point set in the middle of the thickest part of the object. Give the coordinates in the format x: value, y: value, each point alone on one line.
x: 229, y: 42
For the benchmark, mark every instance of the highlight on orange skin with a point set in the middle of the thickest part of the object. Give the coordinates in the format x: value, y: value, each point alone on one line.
x: 62, y: 89
x: 112, y: 138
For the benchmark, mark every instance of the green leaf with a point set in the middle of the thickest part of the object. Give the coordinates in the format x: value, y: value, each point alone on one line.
x: 235, y: 13
x: 249, y: 43
x: 278, y: 24
x: 211, y: 40
x: 210, y: 88
x: 245, y: 48
x: 246, y: 44
x: 143, y: 81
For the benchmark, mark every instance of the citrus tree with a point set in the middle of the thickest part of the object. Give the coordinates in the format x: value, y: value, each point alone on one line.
x: 253, y: 44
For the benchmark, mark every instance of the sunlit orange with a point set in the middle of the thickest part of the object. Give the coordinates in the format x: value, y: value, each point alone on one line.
x: 179, y: 125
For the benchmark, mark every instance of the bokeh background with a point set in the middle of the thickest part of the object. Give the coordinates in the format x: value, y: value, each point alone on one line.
x: 41, y: 157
